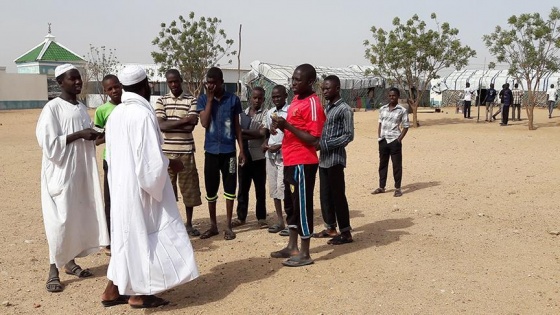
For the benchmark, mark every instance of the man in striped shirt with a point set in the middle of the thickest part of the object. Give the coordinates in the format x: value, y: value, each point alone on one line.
x: 177, y: 116
x: 389, y: 136
x: 517, y: 97
x: 338, y: 132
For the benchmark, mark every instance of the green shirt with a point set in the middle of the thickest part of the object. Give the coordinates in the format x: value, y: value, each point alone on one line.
x: 101, y: 115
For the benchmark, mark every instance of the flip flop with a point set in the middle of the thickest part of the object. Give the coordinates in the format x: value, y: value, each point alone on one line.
x: 53, y: 285
x: 280, y: 254
x: 79, y: 272
x: 297, y: 262
x: 122, y: 299
x: 208, y: 234
x: 284, y: 232
x: 229, y: 235
x: 151, y: 301
x: 339, y: 240
x: 275, y: 228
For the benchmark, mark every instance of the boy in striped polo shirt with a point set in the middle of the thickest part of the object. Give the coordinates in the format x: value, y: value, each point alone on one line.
x: 177, y: 116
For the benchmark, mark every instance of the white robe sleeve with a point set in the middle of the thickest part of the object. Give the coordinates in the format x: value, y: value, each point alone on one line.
x: 50, y: 136
x: 151, y: 164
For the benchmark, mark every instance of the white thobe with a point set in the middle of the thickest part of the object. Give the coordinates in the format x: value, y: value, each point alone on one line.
x: 150, y: 248
x: 73, y: 210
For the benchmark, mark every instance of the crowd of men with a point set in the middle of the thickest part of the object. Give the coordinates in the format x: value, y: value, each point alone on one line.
x: 507, y: 98
x: 149, y: 159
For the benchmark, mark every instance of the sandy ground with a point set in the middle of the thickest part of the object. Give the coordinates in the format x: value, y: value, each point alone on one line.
x: 471, y: 234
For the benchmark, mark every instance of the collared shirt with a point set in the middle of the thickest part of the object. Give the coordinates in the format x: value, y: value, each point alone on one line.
x: 338, y: 131
x: 279, y: 136
x: 253, y: 146
x: 517, y: 95
x: 391, y: 121
x: 169, y: 107
x: 220, y: 135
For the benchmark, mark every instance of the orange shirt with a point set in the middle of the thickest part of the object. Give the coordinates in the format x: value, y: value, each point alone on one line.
x: 307, y: 115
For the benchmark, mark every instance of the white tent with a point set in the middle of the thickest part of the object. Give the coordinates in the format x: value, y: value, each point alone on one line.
x: 352, y: 77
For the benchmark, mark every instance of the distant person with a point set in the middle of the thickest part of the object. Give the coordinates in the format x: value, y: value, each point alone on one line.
x: 508, y: 99
x: 552, y: 96
x: 151, y: 251
x: 302, y: 130
x: 338, y: 132
x: 177, y: 117
x: 516, y: 104
x: 467, y: 98
x: 489, y: 101
x: 219, y: 115
x: 392, y: 117
x: 501, y: 96
x: 274, y: 159
x: 113, y: 88
x: 71, y: 200
x: 254, y: 169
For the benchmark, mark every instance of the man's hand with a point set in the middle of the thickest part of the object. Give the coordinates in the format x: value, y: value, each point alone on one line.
x: 176, y: 165
x: 191, y: 119
x: 241, y: 159
x: 210, y: 90
x: 89, y: 134
x: 278, y: 122
x: 264, y: 147
x: 274, y: 148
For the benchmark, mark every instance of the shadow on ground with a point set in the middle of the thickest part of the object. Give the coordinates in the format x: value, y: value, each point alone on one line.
x: 224, y: 278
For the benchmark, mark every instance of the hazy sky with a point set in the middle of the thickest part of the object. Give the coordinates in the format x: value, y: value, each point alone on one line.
x: 289, y: 32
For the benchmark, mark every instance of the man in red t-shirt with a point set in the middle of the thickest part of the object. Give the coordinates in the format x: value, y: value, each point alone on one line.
x: 302, y: 130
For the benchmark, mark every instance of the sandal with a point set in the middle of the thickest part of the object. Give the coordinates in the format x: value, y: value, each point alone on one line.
x: 275, y: 228
x: 325, y: 233
x: 297, y: 262
x: 340, y: 239
x: 397, y: 193
x: 284, y: 232
x: 208, y: 234
x: 191, y: 231
x: 122, y: 299
x: 229, y: 235
x: 237, y: 222
x: 262, y: 224
x: 54, y: 285
x: 378, y: 191
x: 151, y: 301
x: 78, y: 272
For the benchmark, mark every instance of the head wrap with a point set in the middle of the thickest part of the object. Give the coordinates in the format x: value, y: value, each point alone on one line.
x: 60, y: 70
x: 131, y: 75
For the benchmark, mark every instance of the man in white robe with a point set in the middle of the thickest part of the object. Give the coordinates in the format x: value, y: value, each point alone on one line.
x: 71, y: 199
x: 150, y: 248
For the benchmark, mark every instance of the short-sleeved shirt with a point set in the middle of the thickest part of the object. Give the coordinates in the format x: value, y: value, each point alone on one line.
x: 517, y: 95
x: 391, y: 121
x: 490, y: 95
x: 169, y: 107
x: 220, y: 135
x: 308, y: 115
x: 469, y: 93
x: 101, y: 115
x: 253, y: 146
x: 279, y: 136
x: 551, y: 94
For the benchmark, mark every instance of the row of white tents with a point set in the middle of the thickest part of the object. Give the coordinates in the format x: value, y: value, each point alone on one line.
x: 481, y: 80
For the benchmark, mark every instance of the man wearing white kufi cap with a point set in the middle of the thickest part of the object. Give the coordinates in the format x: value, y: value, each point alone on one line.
x: 150, y: 249
x: 70, y: 192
